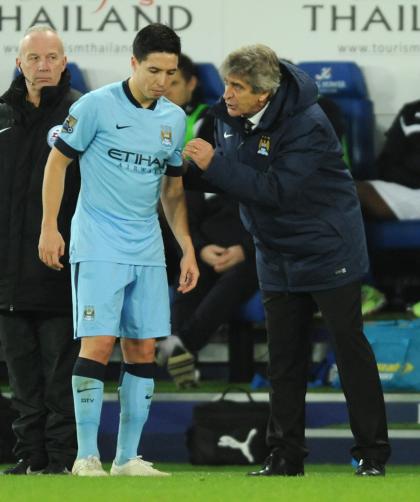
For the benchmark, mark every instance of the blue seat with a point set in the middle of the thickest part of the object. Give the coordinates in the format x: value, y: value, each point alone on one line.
x: 241, y: 339
x: 78, y: 81
x: 388, y: 235
x: 252, y: 310
x: 210, y: 81
x: 344, y: 83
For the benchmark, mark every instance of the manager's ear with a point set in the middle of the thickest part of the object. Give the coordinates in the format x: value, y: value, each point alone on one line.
x: 264, y: 97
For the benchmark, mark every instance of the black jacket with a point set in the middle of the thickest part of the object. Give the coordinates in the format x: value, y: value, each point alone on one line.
x: 297, y: 197
x: 399, y: 160
x: 25, y: 282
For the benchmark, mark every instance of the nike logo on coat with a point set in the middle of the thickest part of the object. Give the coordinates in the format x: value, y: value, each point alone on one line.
x: 409, y: 129
x: 5, y: 129
x: 148, y: 396
x: 90, y: 388
x: 227, y: 135
x: 122, y: 127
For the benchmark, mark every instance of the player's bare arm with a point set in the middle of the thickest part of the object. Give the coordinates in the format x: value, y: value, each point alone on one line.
x: 51, y: 244
x: 174, y: 207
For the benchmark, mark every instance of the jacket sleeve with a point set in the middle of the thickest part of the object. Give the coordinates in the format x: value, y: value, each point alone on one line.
x: 193, y: 180
x: 6, y: 116
x: 297, y: 159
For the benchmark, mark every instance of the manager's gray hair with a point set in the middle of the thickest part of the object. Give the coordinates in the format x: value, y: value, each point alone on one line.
x: 257, y: 64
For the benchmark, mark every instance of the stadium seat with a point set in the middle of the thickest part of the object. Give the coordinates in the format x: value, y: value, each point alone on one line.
x: 241, y: 339
x: 394, y: 234
x: 78, y: 81
x: 252, y: 310
x: 211, y: 83
x: 344, y: 83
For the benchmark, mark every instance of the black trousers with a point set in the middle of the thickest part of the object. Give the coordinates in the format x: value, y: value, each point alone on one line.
x: 40, y: 353
x: 289, y: 316
x: 196, y: 315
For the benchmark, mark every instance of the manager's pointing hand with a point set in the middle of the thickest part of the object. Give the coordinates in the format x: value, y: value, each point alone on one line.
x: 199, y: 151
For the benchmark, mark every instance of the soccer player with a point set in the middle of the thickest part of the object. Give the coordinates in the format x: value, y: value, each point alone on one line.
x: 127, y: 136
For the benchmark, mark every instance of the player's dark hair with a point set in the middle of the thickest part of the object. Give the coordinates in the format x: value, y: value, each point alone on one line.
x: 156, y: 37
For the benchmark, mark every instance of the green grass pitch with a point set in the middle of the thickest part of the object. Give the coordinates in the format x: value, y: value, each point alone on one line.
x: 321, y: 483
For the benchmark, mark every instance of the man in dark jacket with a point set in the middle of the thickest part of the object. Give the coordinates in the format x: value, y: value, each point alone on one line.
x: 277, y: 154
x: 35, y: 302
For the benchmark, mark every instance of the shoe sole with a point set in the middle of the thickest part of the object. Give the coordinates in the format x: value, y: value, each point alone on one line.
x: 117, y: 472
x: 182, y: 370
x: 96, y: 474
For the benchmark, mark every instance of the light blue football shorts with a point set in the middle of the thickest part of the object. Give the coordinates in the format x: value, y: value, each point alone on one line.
x: 115, y: 299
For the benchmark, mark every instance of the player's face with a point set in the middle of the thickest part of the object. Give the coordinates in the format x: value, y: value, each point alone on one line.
x: 240, y: 99
x: 180, y: 91
x: 153, y: 76
x: 41, y: 59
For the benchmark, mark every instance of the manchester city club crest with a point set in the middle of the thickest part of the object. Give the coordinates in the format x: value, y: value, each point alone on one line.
x: 89, y: 313
x: 264, y: 145
x: 166, y: 135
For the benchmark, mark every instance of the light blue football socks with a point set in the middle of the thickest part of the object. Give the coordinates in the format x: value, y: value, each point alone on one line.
x: 135, y: 394
x: 88, y: 389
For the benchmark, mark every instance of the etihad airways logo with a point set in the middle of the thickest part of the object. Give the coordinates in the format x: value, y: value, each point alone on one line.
x: 138, y: 162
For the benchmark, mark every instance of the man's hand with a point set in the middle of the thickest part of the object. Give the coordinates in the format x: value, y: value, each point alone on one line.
x: 189, y: 272
x: 231, y: 257
x: 51, y: 248
x: 211, y: 253
x: 199, y: 151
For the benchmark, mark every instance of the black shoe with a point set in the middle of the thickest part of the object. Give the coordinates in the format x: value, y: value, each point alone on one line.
x: 23, y: 467
x: 275, y: 465
x: 369, y: 467
x: 56, y: 468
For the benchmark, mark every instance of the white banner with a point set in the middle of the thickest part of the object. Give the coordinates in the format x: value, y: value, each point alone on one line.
x: 382, y: 36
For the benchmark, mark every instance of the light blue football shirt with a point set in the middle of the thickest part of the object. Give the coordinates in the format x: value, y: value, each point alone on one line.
x: 124, y: 151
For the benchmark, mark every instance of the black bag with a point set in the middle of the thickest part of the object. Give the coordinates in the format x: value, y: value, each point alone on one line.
x: 228, y: 432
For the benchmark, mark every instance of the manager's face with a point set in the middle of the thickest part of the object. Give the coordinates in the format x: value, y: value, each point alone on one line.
x: 240, y: 98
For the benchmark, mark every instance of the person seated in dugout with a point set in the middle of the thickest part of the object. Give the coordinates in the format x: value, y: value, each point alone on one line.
x: 395, y: 193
